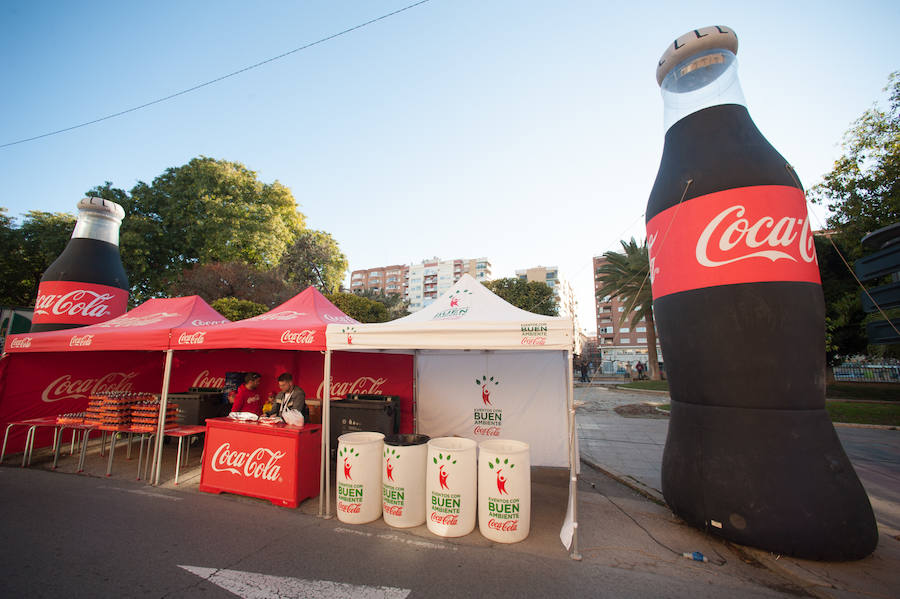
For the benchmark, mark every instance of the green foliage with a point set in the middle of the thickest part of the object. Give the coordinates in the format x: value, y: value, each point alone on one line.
x: 394, y: 303
x: 531, y: 296
x: 205, y: 211
x: 358, y: 307
x: 27, y: 251
x: 314, y: 259
x: 236, y: 280
x: 862, y: 191
x: 863, y: 188
x: 238, y: 309
x: 626, y: 276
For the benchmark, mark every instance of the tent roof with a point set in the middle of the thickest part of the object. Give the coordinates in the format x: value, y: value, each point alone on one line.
x: 467, y: 316
x: 145, y: 327
x: 298, y: 323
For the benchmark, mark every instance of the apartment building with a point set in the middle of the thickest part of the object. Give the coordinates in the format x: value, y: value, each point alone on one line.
x: 389, y: 279
x: 422, y: 283
x: 617, y: 338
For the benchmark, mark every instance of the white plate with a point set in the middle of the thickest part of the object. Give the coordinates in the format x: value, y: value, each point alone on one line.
x: 248, y: 416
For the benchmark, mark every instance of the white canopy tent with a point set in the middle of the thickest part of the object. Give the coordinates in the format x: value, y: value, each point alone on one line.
x: 484, y: 369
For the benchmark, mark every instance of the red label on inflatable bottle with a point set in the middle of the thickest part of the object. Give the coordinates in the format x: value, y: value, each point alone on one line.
x: 743, y: 235
x: 72, y: 302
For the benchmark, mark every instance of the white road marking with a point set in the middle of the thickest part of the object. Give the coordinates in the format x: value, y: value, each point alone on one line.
x: 394, y: 537
x: 251, y: 585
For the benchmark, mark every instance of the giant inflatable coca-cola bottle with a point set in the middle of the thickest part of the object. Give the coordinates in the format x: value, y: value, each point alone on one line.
x: 751, y: 454
x: 86, y: 284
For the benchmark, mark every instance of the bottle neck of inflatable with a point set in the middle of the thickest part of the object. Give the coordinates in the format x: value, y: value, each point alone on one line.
x: 701, y: 81
x: 87, y: 283
x: 101, y: 226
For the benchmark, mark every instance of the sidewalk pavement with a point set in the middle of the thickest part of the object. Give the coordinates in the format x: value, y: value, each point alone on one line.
x: 629, y: 449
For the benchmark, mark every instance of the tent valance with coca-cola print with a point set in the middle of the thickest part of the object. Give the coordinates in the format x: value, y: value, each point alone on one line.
x: 147, y: 327
x: 297, y: 324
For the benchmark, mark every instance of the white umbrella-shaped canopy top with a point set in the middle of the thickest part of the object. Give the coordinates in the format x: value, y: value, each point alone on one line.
x: 468, y: 316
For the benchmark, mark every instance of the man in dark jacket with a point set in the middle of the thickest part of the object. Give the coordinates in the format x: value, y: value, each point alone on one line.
x: 291, y: 397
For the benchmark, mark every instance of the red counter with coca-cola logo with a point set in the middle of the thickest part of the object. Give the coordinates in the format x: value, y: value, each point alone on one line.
x: 276, y: 462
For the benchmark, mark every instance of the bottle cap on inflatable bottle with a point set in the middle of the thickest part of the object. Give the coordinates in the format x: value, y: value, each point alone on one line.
x: 694, y: 43
x: 98, y: 219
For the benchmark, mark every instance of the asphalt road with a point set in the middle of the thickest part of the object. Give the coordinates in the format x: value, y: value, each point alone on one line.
x: 77, y: 536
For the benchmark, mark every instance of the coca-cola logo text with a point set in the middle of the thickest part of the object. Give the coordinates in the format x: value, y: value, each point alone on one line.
x: 138, y: 321
x: 392, y: 510
x: 349, y: 508
x: 205, y: 381
x: 503, y: 526
x: 487, y: 431
x: 742, y: 235
x: 739, y: 239
x: 195, y: 338
x: 206, y: 323
x: 80, y: 302
x: 20, y: 342
x: 445, y: 519
x: 305, y: 336
x: 65, y: 387
x: 365, y: 384
x: 81, y: 340
x: 283, y: 315
x: 342, y: 319
x: 261, y: 463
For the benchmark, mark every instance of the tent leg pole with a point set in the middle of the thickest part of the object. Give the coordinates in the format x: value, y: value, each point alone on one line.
x: 325, y: 474
x: 161, y: 422
x: 416, y: 392
x: 573, y: 475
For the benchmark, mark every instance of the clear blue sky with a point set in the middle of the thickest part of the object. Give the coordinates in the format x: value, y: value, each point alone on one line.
x: 527, y: 132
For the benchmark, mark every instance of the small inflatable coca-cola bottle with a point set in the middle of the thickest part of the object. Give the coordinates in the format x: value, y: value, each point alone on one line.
x: 87, y: 283
x: 751, y: 454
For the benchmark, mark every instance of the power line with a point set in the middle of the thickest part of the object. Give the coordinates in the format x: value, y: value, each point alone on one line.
x: 217, y: 79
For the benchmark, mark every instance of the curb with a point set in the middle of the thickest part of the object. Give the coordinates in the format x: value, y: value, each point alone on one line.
x: 636, y: 486
x: 883, y: 427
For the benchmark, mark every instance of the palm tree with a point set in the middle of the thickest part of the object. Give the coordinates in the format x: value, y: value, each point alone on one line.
x: 626, y: 276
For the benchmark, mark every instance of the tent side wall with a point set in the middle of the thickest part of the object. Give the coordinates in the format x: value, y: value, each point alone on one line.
x: 483, y: 395
x: 35, y: 385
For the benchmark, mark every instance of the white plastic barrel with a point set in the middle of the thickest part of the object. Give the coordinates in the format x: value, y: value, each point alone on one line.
x: 504, y: 490
x: 359, y: 477
x: 450, y: 486
x: 403, y: 480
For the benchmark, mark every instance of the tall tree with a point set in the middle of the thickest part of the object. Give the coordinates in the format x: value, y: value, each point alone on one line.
x: 394, y: 303
x: 205, y: 211
x: 626, y: 276
x: 361, y: 308
x: 862, y: 191
x: 236, y: 280
x: 27, y: 251
x: 532, y: 296
x: 314, y: 259
x: 235, y: 309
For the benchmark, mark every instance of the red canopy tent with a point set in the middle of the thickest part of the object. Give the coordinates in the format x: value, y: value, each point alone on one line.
x: 297, y: 324
x: 46, y: 374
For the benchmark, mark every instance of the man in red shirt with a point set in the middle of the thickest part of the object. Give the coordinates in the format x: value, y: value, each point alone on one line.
x: 247, y: 398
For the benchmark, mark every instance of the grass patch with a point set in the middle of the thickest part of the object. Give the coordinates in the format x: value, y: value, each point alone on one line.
x: 861, y: 391
x: 872, y: 391
x: 647, y: 385
x: 857, y: 412
x: 853, y: 412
